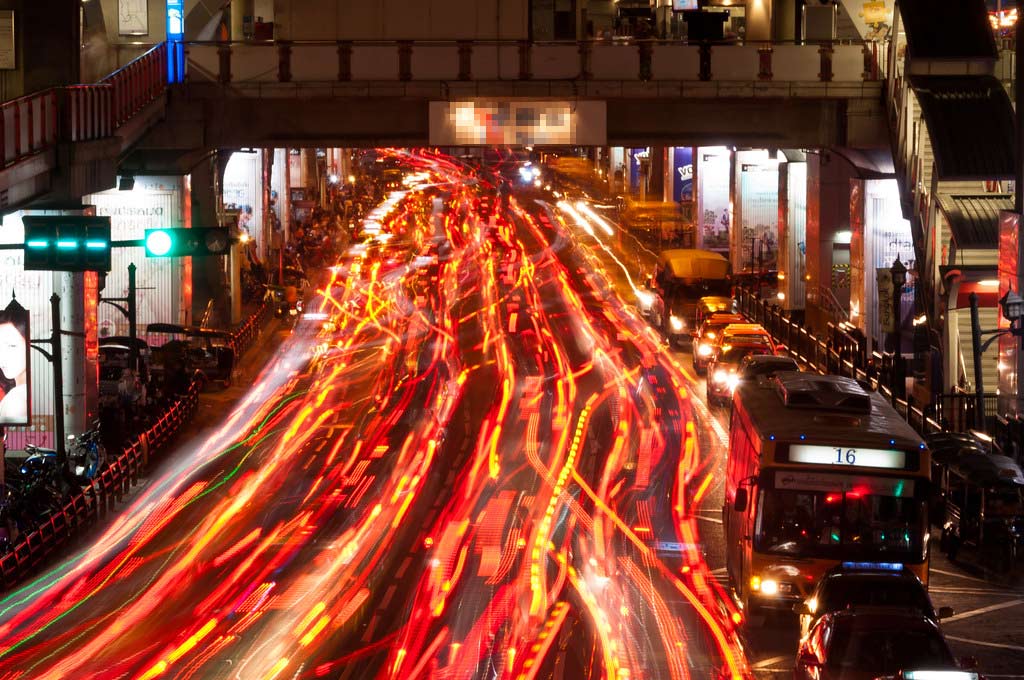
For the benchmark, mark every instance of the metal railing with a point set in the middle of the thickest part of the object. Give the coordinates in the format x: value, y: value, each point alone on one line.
x: 839, y: 352
x: 29, y: 125
x: 137, y: 84
x: 472, y: 60
x: 78, y: 113
x: 98, y: 498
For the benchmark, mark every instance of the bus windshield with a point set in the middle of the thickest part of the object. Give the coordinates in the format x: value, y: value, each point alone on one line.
x: 840, y: 525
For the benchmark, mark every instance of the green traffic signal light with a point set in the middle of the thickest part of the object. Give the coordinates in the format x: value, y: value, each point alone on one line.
x: 70, y: 243
x: 158, y: 243
x: 199, y: 241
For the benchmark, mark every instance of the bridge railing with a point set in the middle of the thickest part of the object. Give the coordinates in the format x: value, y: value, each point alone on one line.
x: 634, y: 60
x: 137, y: 84
x: 78, y: 113
x: 29, y: 125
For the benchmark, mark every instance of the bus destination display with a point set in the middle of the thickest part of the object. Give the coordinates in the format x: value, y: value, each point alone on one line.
x: 847, y: 456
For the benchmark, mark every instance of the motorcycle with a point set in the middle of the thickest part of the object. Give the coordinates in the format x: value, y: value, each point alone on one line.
x: 87, y: 457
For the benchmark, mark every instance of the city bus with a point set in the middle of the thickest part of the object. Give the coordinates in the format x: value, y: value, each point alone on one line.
x: 821, y: 472
x: 682, y: 278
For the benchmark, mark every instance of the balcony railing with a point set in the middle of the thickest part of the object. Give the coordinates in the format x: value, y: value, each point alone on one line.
x: 635, y: 60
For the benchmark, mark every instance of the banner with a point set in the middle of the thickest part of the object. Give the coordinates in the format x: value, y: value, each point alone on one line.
x: 682, y: 174
x: 14, y: 365
x: 886, y: 317
x: 518, y: 123
x: 714, y: 205
x: 635, y: 155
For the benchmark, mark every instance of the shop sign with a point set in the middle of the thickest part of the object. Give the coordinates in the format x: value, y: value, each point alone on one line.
x: 886, y: 317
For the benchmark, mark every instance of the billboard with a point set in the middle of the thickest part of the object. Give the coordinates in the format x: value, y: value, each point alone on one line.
x: 518, y: 123
x: 14, y: 365
x: 682, y: 174
x: 714, y: 211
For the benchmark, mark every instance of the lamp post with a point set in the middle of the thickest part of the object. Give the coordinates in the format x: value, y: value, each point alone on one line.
x: 1012, y: 306
x: 899, y: 279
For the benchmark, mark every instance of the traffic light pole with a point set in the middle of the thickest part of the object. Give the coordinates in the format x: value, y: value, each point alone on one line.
x: 130, y: 311
x: 54, y: 357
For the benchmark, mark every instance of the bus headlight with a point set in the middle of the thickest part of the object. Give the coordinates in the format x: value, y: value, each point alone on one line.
x: 704, y: 350
x: 676, y: 323
x: 769, y: 587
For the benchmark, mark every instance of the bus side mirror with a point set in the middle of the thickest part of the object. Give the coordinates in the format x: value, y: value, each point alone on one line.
x: 739, y: 504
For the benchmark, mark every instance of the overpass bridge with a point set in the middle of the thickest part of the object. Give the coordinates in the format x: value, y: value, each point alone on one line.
x: 67, y: 142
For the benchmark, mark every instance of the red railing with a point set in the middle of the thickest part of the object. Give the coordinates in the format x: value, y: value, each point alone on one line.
x: 78, y: 113
x: 96, y: 499
x: 29, y: 125
x: 137, y: 83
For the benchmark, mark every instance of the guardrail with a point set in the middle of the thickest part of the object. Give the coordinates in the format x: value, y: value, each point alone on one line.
x: 137, y: 84
x: 29, y: 125
x: 77, y: 113
x: 598, y: 60
x: 839, y: 352
x: 96, y: 499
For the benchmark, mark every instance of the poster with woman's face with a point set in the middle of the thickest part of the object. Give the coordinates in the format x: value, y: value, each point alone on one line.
x: 14, y: 366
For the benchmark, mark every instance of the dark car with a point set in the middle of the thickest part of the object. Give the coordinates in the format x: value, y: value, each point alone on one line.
x: 706, y: 337
x: 724, y: 367
x: 874, y: 643
x: 857, y: 585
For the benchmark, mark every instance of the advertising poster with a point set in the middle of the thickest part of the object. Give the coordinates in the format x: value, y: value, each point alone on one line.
x: 714, y: 208
x: 759, y: 238
x: 1009, y: 273
x: 682, y: 174
x: 14, y: 365
x: 635, y: 155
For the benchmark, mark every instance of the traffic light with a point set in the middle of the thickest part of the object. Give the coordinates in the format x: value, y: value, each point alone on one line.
x: 187, y: 242
x: 67, y: 243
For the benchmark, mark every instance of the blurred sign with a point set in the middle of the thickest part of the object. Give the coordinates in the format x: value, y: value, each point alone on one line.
x: 518, y: 123
x: 886, y: 317
x: 14, y: 365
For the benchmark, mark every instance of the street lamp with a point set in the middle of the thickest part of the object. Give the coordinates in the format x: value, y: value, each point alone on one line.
x: 899, y: 279
x: 1012, y: 305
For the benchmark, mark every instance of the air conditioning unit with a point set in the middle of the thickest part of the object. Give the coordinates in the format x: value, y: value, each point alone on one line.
x: 831, y: 392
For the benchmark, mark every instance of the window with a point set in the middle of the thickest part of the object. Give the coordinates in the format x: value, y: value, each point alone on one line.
x: 885, y: 651
x: 847, y: 525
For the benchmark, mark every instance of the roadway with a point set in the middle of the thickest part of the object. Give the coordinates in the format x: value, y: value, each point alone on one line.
x: 469, y: 459
x: 472, y: 458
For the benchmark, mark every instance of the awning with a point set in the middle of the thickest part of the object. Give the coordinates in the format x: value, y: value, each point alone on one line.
x: 988, y: 296
x: 970, y: 122
x: 947, y: 29
x: 974, y: 219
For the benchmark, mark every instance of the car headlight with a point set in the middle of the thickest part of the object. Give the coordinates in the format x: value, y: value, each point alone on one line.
x: 646, y: 299
x: 704, y: 350
x: 720, y: 376
x: 732, y: 381
x: 676, y: 323
x: 711, y: 335
x: 769, y: 587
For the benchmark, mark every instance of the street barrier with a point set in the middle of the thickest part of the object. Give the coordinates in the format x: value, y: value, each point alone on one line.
x: 97, y: 499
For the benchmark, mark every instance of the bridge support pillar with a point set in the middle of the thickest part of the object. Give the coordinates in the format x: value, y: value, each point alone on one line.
x: 208, y: 283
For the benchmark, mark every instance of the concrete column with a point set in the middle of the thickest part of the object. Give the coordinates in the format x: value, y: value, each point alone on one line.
x: 208, y: 282
x: 70, y: 286
x: 308, y: 170
x: 785, y: 235
x: 759, y: 19
x: 656, y: 182
x: 784, y: 19
x: 812, y: 259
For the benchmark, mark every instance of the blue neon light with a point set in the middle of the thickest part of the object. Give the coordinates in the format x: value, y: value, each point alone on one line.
x: 67, y: 245
x: 36, y: 244
x: 175, y: 36
x: 881, y: 566
x: 96, y: 245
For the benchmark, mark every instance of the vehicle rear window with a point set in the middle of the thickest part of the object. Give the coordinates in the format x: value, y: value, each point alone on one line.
x: 734, y: 355
x: 882, y: 651
x: 840, y: 593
